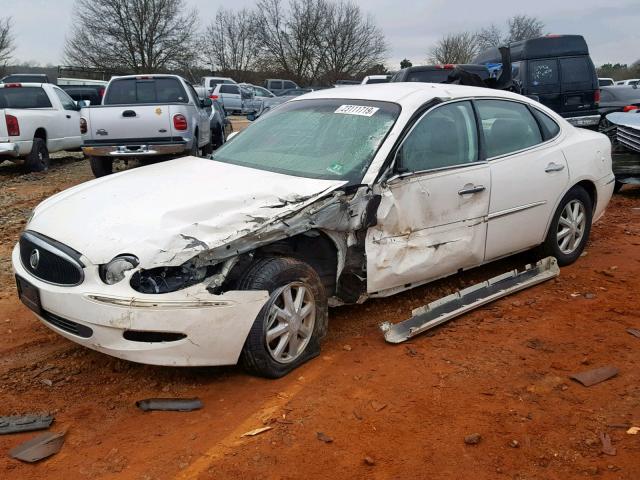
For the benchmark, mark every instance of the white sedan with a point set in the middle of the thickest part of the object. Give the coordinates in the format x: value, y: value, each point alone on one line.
x: 335, y: 197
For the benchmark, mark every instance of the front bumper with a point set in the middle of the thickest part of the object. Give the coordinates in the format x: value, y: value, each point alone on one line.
x: 586, y: 121
x: 145, y: 150
x: 211, y: 329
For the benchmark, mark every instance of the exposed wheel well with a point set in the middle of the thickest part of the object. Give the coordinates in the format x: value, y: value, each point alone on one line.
x: 591, y: 190
x: 40, y: 133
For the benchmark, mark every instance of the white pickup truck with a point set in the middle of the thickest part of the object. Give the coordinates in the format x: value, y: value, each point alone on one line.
x: 36, y: 119
x: 145, y: 117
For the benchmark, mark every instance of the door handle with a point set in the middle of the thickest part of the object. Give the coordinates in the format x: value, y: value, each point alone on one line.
x: 68, y: 116
x: 554, y: 167
x: 129, y: 113
x: 470, y: 190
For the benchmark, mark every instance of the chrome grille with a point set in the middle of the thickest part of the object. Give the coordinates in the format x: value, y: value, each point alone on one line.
x: 49, y: 260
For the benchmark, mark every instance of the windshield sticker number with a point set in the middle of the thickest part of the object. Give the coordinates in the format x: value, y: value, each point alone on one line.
x: 361, y: 110
x: 336, y: 168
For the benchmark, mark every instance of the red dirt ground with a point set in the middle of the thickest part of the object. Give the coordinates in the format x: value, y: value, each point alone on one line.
x: 501, y: 371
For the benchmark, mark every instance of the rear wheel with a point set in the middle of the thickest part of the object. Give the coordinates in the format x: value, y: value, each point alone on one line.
x: 38, y: 158
x: 287, y: 331
x: 101, y: 166
x: 570, y: 227
x: 195, y: 149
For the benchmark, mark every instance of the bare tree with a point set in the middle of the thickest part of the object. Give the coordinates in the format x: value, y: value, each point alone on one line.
x: 291, y: 37
x: 351, y: 42
x: 488, y: 37
x: 523, y: 27
x: 231, y: 41
x: 7, y: 44
x: 132, y: 35
x: 454, y: 48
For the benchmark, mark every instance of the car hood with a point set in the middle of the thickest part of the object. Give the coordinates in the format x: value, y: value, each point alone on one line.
x: 168, y: 212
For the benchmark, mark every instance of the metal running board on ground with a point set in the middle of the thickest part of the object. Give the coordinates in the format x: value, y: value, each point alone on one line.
x: 463, y: 301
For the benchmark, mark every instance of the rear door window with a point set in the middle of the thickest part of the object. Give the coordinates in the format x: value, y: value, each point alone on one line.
x: 230, y: 89
x: 131, y: 91
x: 277, y: 85
x: 543, y: 72
x: 576, y: 74
x: 507, y: 127
x: 24, y: 97
x: 548, y: 126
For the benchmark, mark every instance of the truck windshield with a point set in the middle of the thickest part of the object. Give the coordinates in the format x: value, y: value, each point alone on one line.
x: 333, y: 139
x: 131, y: 91
x: 24, y: 97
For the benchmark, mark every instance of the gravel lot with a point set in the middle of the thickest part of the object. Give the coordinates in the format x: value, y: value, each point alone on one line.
x: 390, y: 411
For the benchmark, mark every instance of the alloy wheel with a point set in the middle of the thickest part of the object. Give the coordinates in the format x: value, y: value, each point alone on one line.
x: 571, y: 226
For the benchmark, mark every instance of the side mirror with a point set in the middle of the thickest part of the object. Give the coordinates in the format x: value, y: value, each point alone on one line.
x: 206, y: 102
x: 81, y: 104
x: 251, y: 117
x: 231, y: 135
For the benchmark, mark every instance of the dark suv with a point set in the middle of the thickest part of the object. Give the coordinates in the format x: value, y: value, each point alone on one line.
x: 438, y: 73
x: 558, y: 70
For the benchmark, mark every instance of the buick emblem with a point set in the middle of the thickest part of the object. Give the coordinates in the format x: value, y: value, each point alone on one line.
x: 34, y: 259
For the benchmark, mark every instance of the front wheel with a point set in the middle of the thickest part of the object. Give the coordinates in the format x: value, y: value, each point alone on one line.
x: 101, y: 166
x: 287, y: 331
x: 570, y: 227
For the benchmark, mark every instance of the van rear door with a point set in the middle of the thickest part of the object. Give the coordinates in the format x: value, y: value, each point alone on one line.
x: 544, y: 81
x: 578, y: 85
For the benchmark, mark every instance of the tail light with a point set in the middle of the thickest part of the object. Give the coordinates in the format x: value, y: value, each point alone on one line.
x: 447, y: 66
x: 214, y: 97
x: 180, y: 122
x: 13, y: 127
x: 101, y: 92
x: 596, y: 96
x: 12, y: 85
x: 630, y: 108
x: 83, y: 125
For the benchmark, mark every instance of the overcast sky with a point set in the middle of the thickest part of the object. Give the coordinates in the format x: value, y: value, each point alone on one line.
x: 611, y: 27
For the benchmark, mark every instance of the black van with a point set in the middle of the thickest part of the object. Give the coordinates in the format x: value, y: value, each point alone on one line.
x: 437, y: 73
x: 558, y: 70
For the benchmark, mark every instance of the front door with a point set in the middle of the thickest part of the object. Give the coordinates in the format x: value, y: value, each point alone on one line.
x: 432, y: 217
x: 67, y: 130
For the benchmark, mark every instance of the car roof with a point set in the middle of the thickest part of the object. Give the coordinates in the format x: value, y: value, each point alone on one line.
x: 408, y: 94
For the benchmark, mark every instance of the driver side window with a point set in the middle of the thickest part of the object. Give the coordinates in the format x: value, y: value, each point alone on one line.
x: 445, y: 137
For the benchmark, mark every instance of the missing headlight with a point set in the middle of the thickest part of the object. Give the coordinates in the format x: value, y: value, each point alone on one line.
x: 170, y: 279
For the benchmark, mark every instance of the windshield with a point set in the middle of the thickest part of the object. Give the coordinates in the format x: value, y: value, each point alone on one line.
x: 332, y: 139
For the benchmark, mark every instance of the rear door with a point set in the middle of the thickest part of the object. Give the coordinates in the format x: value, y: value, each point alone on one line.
x: 543, y: 80
x: 137, y: 108
x: 578, y: 85
x: 231, y: 98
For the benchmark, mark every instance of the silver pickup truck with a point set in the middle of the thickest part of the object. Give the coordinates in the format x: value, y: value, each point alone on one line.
x: 145, y: 117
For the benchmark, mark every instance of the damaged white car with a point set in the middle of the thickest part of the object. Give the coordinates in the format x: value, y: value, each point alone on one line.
x: 335, y: 197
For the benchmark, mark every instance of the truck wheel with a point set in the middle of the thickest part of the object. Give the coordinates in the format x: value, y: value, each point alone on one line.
x: 208, y: 148
x: 195, y: 149
x: 287, y: 331
x: 101, y: 166
x: 38, y: 158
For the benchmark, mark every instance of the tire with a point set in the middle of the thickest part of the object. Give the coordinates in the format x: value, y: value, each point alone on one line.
x: 101, y: 166
x: 209, y: 147
x: 195, y: 150
x: 279, y: 275
x: 219, y: 138
x: 574, y: 203
x: 38, y: 158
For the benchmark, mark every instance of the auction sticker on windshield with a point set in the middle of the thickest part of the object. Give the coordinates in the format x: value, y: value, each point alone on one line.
x: 357, y: 110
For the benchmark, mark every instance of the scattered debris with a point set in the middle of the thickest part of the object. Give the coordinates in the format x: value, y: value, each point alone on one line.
x: 347, y: 348
x: 47, y: 382
x: 323, y: 437
x: 170, y: 404
x: 257, y: 431
x: 377, y: 406
x: 24, y: 423
x: 357, y: 414
x: 633, y: 430
x: 514, y: 444
x: 597, y: 375
x: 463, y: 301
x: 39, y: 447
x: 412, y: 352
x: 607, y: 446
x: 634, y: 331
x: 369, y: 461
x: 472, y: 439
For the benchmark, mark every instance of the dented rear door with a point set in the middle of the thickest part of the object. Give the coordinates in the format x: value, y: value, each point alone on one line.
x: 431, y: 222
